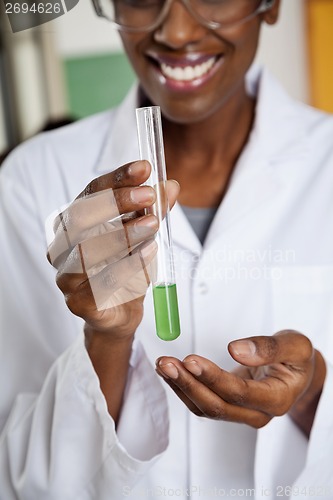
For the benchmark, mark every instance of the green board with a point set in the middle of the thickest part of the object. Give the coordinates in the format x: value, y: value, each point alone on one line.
x: 96, y: 82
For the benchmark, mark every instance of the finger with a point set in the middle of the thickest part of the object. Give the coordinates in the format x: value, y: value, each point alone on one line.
x: 287, y: 347
x: 163, y: 203
x: 204, y: 399
x: 228, y: 386
x: 190, y: 405
x: 110, y: 246
x: 172, y: 189
x: 130, y: 234
x: 129, y: 175
x: 114, y: 285
x: 88, y: 213
x: 274, y: 391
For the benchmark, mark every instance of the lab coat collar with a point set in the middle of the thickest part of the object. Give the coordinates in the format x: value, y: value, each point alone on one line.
x: 275, y: 109
x: 278, y: 132
x: 277, y: 122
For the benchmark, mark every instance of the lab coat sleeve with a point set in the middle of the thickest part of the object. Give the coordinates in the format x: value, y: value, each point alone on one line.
x: 62, y: 442
x: 57, y: 437
x: 316, y: 479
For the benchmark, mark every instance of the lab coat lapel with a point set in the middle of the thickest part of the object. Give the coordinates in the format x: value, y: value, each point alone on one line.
x: 244, y: 195
x: 276, y: 149
x: 182, y: 232
x: 121, y: 145
x: 279, y: 144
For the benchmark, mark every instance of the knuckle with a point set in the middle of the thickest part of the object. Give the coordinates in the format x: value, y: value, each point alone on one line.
x: 216, y: 412
x: 48, y: 256
x: 120, y: 175
x: 186, y: 385
x: 74, y: 222
x: 212, y: 378
x: 80, y: 254
x: 197, y: 412
x: 267, y: 347
x: 307, y: 348
x: 122, y: 238
x: 70, y: 222
x: 121, y: 199
x: 237, y: 399
x: 261, y: 421
x: 56, y: 222
x: 62, y: 281
x: 282, y: 404
x: 74, y: 304
x: 90, y: 188
x: 56, y: 261
x: 283, y: 408
x: 279, y: 411
x: 108, y: 278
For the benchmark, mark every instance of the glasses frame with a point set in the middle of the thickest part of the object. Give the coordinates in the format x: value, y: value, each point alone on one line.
x: 264, y: 6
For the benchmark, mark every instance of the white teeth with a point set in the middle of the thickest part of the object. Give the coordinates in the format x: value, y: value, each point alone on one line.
x: 189, y: 72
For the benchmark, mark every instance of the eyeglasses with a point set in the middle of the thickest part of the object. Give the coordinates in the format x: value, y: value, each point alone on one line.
x: 146, y: 15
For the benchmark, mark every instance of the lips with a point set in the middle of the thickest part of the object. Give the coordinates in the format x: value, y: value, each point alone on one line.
x: 186, y: 72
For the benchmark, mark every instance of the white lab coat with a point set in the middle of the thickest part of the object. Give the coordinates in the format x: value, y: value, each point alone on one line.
x: 267, y: 264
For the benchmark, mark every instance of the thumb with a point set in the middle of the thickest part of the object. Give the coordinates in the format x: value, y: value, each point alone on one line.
x: 173, y: 189
x: 288, y: 347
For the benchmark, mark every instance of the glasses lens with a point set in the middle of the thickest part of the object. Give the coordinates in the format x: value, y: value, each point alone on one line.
x: 143, y: 14
x: 133, y: 14
x: 225, y: 12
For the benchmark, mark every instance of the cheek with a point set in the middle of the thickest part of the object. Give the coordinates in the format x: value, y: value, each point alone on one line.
x: 132, y: 44
x: 242, y: 44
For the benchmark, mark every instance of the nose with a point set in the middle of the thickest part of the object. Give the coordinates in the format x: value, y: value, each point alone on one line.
x: 178, y: 28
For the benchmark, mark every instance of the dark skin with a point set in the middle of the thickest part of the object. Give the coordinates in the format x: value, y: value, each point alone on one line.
x: 198, y: 188
x: 278, y: 374
x: 96, y: 264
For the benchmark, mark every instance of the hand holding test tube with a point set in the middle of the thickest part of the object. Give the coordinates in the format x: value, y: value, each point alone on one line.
x: 164, y: 285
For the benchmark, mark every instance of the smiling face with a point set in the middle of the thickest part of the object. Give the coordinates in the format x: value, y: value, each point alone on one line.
x: 191, y: 71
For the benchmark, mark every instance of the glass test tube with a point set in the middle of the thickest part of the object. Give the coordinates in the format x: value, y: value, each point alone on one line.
x: 164, y: 285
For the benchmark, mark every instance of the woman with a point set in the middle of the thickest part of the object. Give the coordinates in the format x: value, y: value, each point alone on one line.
x: 87, y: 416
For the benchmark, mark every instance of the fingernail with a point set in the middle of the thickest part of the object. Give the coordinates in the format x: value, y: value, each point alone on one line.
x: 142, y: 194
x: 193, y: 367
x: 244, y: 347
x: 169, y: 370
x: 148, y: 249
x: 146, y: 223
x: 136, y: 167
x: 174, y: 181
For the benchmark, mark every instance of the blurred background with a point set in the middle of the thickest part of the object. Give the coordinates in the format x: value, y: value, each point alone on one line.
x: 74, y: 66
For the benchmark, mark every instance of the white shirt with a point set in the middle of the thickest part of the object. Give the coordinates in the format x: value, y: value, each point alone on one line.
x: 266, y: 265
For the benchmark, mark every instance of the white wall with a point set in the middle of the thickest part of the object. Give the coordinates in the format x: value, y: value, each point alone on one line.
x: 82, y: 32
x: 3, y: 135
x: 283, y: 49
x: 29, y: 88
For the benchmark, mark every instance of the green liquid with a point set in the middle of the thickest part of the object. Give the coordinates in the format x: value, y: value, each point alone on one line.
x: 166, y: 311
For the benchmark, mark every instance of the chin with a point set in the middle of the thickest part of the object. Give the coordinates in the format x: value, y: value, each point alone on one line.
x: 187, y: 109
